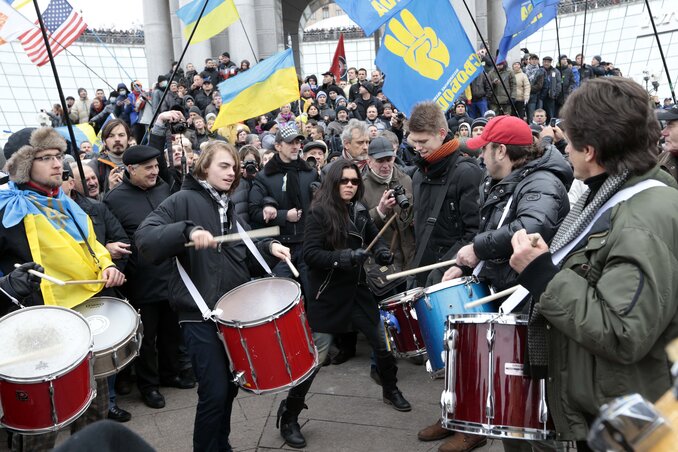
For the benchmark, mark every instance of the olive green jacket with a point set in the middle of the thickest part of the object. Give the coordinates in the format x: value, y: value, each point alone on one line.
x: 611, y: 309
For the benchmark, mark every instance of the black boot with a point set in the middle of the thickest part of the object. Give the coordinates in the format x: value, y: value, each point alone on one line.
x: 387, y: 368
x: 288, y: 421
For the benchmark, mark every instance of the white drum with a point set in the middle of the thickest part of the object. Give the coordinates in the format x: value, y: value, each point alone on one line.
x: 117, y: 331
x: 46, y: 375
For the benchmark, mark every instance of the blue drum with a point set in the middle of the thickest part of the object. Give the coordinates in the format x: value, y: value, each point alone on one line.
x: 439, y: 301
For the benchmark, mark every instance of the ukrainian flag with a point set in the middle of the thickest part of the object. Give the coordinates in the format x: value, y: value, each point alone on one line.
x: 265, y: 87
x: 218, y: 15
x: 82, y: 132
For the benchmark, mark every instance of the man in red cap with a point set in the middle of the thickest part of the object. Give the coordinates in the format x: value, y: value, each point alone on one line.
x: 524, y: 188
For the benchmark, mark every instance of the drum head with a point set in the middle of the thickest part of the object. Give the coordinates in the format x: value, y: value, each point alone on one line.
x: 403, y: 297
x: 41, y: 341
x: 111, y: 320
x: 258, y: 300
x: 446, y: 284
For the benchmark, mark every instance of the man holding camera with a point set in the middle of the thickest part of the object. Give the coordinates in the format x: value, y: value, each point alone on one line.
x: 108, y: 165
x: 280, y: 195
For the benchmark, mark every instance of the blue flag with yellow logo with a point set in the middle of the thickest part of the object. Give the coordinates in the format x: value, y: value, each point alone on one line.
x: 371, y: 14
x: 427, y: 55
x: 523, y: 18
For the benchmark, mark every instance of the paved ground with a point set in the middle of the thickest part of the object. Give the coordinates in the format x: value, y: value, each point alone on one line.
x: 345, y: 413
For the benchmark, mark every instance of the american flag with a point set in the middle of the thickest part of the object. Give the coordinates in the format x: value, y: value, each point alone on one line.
x: 64, y: 25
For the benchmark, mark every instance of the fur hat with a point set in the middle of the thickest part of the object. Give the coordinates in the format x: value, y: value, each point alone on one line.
x: 19, y: 165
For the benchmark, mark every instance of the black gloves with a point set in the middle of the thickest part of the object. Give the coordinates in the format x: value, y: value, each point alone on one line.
x: 359, y: 256
x: 384, y: 257
x: 19, y: 283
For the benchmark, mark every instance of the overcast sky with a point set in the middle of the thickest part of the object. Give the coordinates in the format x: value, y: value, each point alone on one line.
x: 120, y: 14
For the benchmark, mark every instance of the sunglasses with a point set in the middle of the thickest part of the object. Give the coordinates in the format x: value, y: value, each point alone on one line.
x: 346, y: 181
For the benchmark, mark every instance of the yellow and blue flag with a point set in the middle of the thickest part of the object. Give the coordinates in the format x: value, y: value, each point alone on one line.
x: 218, y: 15
x: 428, y: 49
x: 370, y: 15
x: 82, y: 132
x: 523, y: 18
x: 264, y: 87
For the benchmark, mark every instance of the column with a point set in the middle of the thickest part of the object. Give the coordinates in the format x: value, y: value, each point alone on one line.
x: 238, y: 37
x: 197, y: 52
x: 157, y: 36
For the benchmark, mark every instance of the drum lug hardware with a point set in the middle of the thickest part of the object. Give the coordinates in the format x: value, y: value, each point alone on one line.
x: 282, y: 350
x: 55, y: 416
x: 243, y: 343
x: 449, y: 396
x: 116, y: 362
x: 309, y: 342
x: 543, y: 408
x: 239, y: 378
x: 427, y: 300
x: 489, y: 402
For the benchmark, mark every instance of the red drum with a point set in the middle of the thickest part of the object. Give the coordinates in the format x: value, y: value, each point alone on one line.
x: 402, y: 326
x: 267, y: 338
x: 46, y: 369
x: 486, y: 391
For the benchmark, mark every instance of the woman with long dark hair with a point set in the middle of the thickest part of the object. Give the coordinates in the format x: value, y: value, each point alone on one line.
x: 337, y: 231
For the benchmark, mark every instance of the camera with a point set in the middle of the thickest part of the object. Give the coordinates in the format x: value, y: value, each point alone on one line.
x: 251, y: 167
x: 312, y: 162
x: 400, y: 196
x: 400, y: 116
x: 178, y: 127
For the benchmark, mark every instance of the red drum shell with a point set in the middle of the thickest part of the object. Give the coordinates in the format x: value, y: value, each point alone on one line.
x: 276, y: 351
x: 409, y: 342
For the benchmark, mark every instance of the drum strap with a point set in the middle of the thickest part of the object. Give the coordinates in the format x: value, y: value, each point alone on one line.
x: 197, y: 298
x: 622, y: 195
x: 253, y: 249
x: 504, y: 214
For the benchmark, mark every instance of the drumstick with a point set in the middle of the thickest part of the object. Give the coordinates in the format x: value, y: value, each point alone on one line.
x: 414, y: 271
x: 86, y: 281
x: 44, y: 276
x: 489, y: 298
x: 534, y: 239
x: 295, y: 272
x: 381, y: 232
x: 255, y: 234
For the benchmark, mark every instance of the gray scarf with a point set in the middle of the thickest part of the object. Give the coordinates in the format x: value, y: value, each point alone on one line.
x: 222, y: 204
x: 575, y: 222
x: 531, y: 71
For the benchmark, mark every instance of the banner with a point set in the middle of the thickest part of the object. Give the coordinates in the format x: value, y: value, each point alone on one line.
x: 372, y: 14
x: 339, y: 61
x: 524, y: 18
x: 428, y: 55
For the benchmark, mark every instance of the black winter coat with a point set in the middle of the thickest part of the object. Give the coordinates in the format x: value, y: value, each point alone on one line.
x: 268, y: 187
x: 146, y: 281
x: 539, y: 205
x: 333, y: 279
x: 214, y: 272
x: 241, y: 199
x: 457, y: 222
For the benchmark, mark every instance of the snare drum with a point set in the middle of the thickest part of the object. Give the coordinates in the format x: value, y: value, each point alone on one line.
x: 267, y: 338
x: 486, y: 391
x: 117, y: 331
x: 46, y: 377
x: 401, y: 324
x: 439, y: 301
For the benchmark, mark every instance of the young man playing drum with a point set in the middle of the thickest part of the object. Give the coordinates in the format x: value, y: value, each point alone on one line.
x: 525, y: 188
x: 41, y: 224
x: 199, y: 212
x: 604, y: 292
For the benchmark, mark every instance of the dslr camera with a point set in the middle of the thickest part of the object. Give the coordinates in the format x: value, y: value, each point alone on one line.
x: 400, y: 196
x: 251, y: 167
x: 178, y: 127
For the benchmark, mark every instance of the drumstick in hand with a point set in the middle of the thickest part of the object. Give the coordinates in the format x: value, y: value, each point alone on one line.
x: 381, y: 232
x: 273, y: 231
x: 51, y: 279
x: 489, y: 298
x: 294, y: 270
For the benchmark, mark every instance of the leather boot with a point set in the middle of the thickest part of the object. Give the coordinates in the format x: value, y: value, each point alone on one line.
x: 434, y: 432
x: 462, y: 442
x: 288, y: 421
x: 387, y: 370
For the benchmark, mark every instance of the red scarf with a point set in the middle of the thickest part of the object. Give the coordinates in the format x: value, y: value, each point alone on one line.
x: 443, y: 151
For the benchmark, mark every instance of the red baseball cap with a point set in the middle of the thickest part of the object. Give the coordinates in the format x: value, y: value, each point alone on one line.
x: 503, y: 130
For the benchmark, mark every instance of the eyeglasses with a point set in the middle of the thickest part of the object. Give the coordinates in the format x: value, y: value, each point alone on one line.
x: 346, y: 181
x: 48, y: 158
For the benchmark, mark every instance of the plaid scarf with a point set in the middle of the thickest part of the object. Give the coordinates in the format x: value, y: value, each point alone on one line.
x: 574, y: 223
x: 222, y: 204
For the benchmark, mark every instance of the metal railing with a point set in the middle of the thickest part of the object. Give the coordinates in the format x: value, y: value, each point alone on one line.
x: 574, y: 6
x: 131, y: 37
x: 332, y: 34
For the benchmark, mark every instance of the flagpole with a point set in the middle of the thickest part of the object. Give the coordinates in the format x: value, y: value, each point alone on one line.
x: 178, y: 65
x: 248, y: 39
x: 583, y: 35
x: 661, y: 51
x: 62, y: 98
x: 487, y: 49
x: 558, y: 41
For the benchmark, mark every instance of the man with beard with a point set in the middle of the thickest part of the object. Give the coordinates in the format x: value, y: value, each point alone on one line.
x: 108, y: 165
x: 668, y: 159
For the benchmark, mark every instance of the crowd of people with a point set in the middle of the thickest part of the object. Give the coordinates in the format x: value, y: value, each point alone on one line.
x: 525, y: 165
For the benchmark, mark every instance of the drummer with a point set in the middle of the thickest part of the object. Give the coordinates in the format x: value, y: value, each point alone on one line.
x: 38, y: 219
x: 606, y: 304
x: 202, y: 210
x: 525, y: 188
